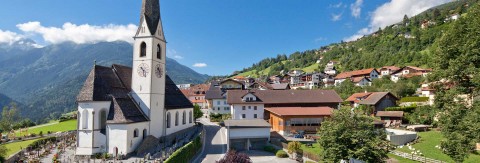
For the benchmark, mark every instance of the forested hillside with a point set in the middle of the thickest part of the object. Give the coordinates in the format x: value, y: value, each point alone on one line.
x: 400, y: 44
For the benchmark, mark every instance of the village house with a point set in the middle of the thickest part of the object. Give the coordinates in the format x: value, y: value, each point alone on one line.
x: 256, y: 105
x: 231, y: 84
x: 330, y: 68
x: 408, y: 72
x: 387, y: 70
x: 390, y: 118
x: 376, y: 101
x: 217, y: 99
x: 370, y: 73
x: 247, y: 134
x: 196, y: 94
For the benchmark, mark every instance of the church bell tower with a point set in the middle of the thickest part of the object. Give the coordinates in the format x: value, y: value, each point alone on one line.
x: 148, y: 71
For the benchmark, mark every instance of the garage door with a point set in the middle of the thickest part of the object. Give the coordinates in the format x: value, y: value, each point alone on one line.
x: 238, y: 144
x: 258, y: 144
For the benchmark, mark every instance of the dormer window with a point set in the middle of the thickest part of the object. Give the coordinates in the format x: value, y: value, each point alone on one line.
x: 143, y: 49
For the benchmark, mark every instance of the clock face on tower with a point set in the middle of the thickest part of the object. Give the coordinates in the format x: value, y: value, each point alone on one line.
x: 143, y: 70
x: 158, y: 71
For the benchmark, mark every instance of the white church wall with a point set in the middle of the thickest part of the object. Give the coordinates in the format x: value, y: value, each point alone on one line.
x: 180, y: 126
x: 89, y: 121
x: 122, y: 137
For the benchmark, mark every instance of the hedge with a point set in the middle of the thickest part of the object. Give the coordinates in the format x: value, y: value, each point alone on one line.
x: 185, y: 153
x: 408, y: 109
x: 270, y: 149
x: 281, y: 154
x: 414, y: 99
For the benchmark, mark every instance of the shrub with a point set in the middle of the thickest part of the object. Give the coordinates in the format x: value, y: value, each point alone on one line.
x: 408, y: 109
x: 294, y: 146
x: 40, y: 133
x: 185, y: 153
x: 233, y: 157
x: 281, y: 154
x: 269, y: 148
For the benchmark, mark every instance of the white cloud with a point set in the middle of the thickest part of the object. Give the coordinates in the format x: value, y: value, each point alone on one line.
x: 356, y: 8
x: 320, y: 39
x: 174, y: 54
x: 80, y: 33
x: 200, y: 65
x: 338, y: 5
x: 392, y: 12
x: 9, y: 37
x: 336, y: 17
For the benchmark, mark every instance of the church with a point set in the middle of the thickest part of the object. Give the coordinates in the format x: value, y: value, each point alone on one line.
x: 119, y: 106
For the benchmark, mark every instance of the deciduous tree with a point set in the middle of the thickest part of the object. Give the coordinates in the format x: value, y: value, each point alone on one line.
x: 352, y: 135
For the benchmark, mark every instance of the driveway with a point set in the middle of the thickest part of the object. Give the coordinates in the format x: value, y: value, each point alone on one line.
x: 215, y: 142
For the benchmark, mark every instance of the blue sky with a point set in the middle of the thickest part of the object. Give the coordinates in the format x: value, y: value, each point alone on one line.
x: 214, y: 37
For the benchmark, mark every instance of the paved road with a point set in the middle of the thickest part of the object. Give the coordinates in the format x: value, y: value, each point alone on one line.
x: 215, y: 142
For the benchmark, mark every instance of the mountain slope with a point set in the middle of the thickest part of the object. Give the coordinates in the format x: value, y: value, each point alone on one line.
x: 48, y: 79
x: 400, y: 44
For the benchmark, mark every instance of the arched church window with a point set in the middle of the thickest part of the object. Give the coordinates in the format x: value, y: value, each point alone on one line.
x: 85, y: 119
x: 159, y: 51
x: 168, y: 120
x: 103, y: 119
x: 143, y: 49
x: 176, y: 118
x: 135, y: 133
x: 190, y: 117
x: 184, y: 117
x: 144, y: 133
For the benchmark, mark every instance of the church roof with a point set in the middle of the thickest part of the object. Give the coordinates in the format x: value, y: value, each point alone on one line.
x: 114, y: 84
x: 151, y: 13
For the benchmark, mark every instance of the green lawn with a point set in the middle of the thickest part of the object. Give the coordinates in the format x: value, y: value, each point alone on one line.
x: 426, y: 145
x: 311, y: 68
x: 15, y: 147
x: 53, y: 127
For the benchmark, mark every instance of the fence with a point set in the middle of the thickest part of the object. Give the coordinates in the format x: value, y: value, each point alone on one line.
x: 416, y: 157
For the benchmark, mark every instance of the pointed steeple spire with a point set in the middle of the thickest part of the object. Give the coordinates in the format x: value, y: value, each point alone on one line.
x: 151, y: 13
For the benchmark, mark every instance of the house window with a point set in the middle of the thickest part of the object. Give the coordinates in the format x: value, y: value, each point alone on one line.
x: 184, y: 117
x: 244, y: 116
x: 218, y: 108
x: 190, y: 117
x: 226, y: 108
x: 249, y: 107
x: 218, y: 102
x: 254, y: 115
x: 159, y: 51
x: 176, y: 118
x: 225, y: 102
x: 135, y: 133
x: 168, y: 120
x: 143, y: 49
x: 254, y: 107
x: 243, y: 107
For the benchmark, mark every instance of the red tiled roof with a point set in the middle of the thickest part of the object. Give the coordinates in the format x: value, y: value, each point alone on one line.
x: 392, y: 68
x: 289, y: 111
x: 357, y: 79
x: 357, y: 95
x: 364, y: 72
